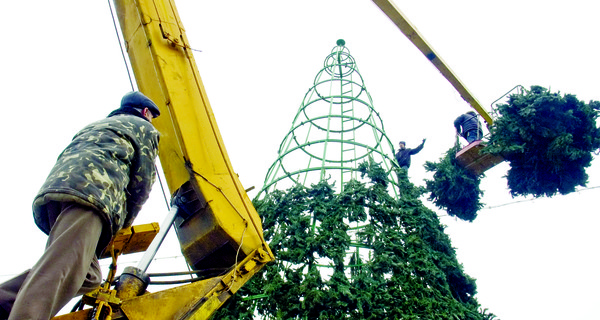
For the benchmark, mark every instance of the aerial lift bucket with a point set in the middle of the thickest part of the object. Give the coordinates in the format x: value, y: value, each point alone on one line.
x: 472, y: 159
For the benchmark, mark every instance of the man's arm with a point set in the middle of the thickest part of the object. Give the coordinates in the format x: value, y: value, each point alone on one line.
x: 419, y: 148
x: 457, y: 124
x: 139, y: 188
x: 142, y: 175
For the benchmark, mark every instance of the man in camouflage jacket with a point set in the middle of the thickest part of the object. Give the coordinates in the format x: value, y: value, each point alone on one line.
x: 97, y: 186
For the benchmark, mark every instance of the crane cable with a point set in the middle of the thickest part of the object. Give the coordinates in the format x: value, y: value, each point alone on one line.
x: 521, y: 201
x: 121, y: 46
x: 533, y: 199
x: 133, y: 89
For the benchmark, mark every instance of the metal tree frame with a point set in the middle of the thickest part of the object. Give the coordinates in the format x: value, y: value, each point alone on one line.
x: 335, y: 129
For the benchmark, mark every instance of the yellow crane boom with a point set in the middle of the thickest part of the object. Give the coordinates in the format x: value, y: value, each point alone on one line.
x: 217, y: 225
x: 411, y: 32
x: 191, y: 150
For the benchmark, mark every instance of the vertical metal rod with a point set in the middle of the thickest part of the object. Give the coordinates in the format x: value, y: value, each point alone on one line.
x: 153, y: 248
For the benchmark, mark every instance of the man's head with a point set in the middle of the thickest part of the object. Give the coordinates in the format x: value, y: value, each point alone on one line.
x: 402, y: 145
x: 140, y: 102
x: 471, y: 112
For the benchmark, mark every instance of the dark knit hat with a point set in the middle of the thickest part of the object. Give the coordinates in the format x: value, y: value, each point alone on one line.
x: 136, y: 99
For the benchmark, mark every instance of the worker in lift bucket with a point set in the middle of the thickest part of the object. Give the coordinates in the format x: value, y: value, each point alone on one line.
x: 468, y: 126
x: 97, y: 187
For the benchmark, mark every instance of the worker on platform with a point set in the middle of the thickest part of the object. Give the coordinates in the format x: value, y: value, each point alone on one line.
x: 468, y: 126
x: 404, y: 153
x: 97, y: 186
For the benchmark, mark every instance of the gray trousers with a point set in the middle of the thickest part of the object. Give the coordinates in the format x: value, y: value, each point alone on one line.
x: 67, y: 268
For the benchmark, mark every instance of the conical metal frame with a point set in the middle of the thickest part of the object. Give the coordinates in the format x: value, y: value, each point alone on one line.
x: 335, y: 129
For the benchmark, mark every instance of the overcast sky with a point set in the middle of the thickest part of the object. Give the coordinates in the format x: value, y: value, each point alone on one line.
x: 62, y: 68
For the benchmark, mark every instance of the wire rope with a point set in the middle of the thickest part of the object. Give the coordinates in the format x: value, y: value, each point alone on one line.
x: 521, y: 201
x: 533, y: 199
x: 121, y: 46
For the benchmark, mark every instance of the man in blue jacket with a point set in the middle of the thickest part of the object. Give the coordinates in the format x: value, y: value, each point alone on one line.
x: 468, y: 126
x: 404, y: 153
x: 97, y: 186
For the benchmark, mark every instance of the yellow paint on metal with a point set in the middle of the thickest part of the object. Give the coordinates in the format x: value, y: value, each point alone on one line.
x: 194, y: 301
x: 191, y: 147
x: 131, y: 240
x: 411, y: 32
x: 78, y: 315
x: 192, y: 153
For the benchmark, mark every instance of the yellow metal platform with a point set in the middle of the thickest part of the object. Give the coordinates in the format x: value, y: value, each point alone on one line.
x: 133, y: 239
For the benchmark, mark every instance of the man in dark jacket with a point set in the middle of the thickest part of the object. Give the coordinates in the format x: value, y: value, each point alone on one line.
x: 404, y: 153
x: 97, y: 186
x: 468, y: 126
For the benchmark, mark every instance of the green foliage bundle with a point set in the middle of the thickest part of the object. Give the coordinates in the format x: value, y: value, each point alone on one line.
x: 454, y: 188
x: 410, y: 271
x: 548, y: 140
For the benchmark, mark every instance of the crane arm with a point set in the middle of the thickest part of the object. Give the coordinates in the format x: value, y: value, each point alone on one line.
x: 191, y: 150
x: 409, y: 30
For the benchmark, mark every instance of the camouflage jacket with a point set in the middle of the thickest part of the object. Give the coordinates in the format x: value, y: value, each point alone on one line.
x: 109, y: 166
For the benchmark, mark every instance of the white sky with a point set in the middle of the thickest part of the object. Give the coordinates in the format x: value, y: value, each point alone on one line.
x: 62, y: 68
